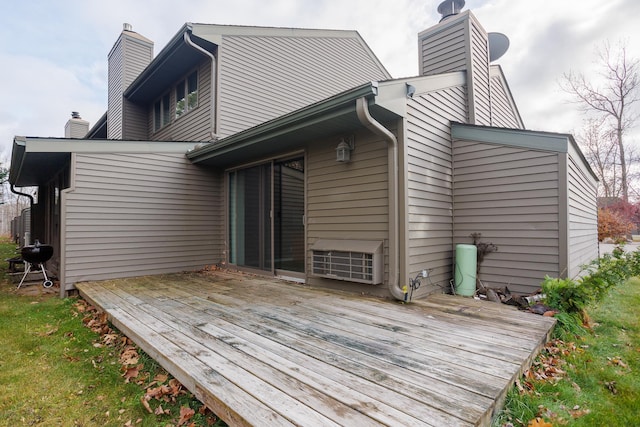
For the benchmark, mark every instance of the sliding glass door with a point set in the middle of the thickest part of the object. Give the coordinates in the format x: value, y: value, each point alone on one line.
x: 266, y: 216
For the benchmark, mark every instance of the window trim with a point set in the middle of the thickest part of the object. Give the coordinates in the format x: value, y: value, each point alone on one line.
x: 160, y: 114
x: 188, y: 95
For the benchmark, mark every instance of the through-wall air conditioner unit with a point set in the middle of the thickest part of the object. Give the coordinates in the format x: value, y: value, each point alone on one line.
x: 358, y: 261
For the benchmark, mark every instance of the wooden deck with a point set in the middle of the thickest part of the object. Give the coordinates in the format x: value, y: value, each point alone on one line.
x: 266, y: 352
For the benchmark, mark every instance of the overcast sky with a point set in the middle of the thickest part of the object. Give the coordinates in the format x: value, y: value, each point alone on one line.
x: 53, y: 54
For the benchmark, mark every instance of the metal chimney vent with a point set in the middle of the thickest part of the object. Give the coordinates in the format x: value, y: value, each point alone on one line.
x: 127, y: 27
x: 75, y: 115
x: 450, y: 8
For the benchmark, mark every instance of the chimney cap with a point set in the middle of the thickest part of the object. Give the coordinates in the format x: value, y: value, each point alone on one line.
x: 127, y: 27
x: 75, y: 115
x: 449, y: 8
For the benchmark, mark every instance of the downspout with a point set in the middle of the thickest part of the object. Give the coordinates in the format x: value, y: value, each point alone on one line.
x: 214, y: 122
x: 31, y: 213
x: 362, y: 109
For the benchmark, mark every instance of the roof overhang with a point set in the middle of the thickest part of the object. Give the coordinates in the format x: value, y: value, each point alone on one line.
x: 316, y: 121
x: 333, y: 116
x: 35, y: 161
x: 528, y: 139
x: 173, y: 62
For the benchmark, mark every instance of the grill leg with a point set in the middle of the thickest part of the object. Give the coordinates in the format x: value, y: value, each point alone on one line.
x: 47, y: 283
x: 26, y: 271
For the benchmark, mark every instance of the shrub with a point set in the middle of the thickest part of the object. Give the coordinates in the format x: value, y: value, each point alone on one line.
x: 567, y: 295
x: 612, y: 224
x: 572, y: 296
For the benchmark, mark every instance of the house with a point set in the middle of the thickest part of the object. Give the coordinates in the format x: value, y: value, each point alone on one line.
x: 292, y: 153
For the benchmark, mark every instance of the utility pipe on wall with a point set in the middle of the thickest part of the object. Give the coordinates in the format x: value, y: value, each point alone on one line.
x: 31, y: 213
x: 214, y: 121
x: 362, y: 109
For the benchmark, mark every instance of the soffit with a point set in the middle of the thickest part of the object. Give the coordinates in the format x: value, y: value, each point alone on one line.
x: 35, y: 161
x: 332, y: 117
x: 173, y: 62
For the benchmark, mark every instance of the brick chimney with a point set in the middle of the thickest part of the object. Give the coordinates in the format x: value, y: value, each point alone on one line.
x: 129, y: 56
x: 76, y: 127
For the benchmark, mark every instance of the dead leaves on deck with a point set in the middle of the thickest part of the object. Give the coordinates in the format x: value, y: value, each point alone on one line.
x: 160, y: 391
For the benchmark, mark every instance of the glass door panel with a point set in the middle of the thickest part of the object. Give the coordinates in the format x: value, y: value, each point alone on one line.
x: 288, y: 203
x: 249, y: 217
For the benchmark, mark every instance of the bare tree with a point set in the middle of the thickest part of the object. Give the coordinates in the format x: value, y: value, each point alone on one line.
x: 601, y: 150
x: 612, y: 99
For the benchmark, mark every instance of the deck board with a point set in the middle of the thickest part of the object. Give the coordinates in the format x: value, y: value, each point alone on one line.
x: 266, y: 352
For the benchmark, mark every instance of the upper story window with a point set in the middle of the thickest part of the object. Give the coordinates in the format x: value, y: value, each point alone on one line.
x: 162, y: 112
x: 187, y: 94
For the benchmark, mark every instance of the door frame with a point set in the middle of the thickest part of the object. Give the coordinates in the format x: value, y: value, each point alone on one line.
x: 294, y: 276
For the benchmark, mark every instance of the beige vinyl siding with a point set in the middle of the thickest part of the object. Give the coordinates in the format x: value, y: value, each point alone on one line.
x: 583, y: 213
x: 134, y: 122
x: 429, y: 183
x: 480, y: 89
x: 511, y: 196
x: 348, y: 200
x: 502, y: 111
x: 443, y: 51
x: 262, y: 78
x: 129, y: 56
x: 116, y: 88
x: 195, y: 125
x: 137, y: 214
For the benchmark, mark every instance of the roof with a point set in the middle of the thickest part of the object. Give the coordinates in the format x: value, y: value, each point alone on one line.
x: 529, y: 139
x: 177, y: 57
x: 35, y: 161
x: 332, y: 116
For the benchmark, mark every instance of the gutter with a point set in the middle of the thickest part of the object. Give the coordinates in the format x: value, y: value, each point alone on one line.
x: 337, y: 105
x: 214, y: 93
x: 31, y: 213
x: 362, y: 109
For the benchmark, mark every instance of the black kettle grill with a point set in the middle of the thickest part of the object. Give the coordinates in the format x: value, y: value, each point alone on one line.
x: 37, y: 254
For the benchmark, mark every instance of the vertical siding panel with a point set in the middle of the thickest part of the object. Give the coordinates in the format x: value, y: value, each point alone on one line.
x: 116, y: 88
x: 429, y: 174
x: 138, y: 214
x: 262, y: 78
x: 511, y: 196
x: 583, y: 214
x: 348, y: 200
x: 481, y: 89
x: 128, y: 58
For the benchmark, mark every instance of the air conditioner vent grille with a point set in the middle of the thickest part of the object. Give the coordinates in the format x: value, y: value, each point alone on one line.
x: 347, y: 262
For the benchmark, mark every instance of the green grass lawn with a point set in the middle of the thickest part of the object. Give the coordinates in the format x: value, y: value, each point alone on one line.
x: 55, y: 371
x: 601, y: 386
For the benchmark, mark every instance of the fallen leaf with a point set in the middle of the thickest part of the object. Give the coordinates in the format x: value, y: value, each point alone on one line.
x: 110, y: 339
x: 577, y: 412
x: 132, y: 373
x: 186, y: 414
x: 145, y: 402
x: 161, y: 378
x: 129, y: 356
x: 48, y: 333
x: 616, y: 361
x: 539, y: 422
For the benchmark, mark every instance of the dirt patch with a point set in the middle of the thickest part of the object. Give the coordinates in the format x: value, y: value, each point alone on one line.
x: 35, y: 289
